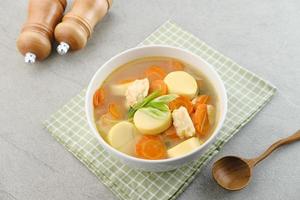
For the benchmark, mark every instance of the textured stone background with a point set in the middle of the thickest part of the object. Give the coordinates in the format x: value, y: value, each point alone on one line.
x: 261, y: 35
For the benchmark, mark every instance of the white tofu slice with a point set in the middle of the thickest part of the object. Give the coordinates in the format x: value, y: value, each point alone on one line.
x: 122, y: 136
x: 137, y: 91
x: 181, y: 83
x: 183, y: 123
x: 184, y: 147
x: 150, y: 125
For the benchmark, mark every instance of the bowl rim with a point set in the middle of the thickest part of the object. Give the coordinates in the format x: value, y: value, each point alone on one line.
x: 106, y: 146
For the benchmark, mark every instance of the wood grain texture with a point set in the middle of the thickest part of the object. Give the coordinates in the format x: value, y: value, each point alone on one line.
x: 234, y: 173
x: 37, y: 33
x: 78, y: 24
x: 273, y: 147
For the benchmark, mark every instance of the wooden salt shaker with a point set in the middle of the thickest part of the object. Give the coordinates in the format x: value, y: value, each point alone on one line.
x: 35, y: 39
x: 78, y: 24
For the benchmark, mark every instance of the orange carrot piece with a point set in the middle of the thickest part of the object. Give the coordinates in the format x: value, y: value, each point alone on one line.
x: 158, y: 70
x: 159, y: 85
x: 114, y: 110
x: 200, y: 119
x: 98, y: 98
x: 177, y: 66
x: 181, y: 101
x: 153, y: 76
x: 151, y: 147
x: 155, y: 73
x: 200, y: 113
x: 202, y: 99
x: 171, y: 133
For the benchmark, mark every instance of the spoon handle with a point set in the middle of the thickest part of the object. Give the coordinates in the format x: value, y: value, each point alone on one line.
x: 287, y: 140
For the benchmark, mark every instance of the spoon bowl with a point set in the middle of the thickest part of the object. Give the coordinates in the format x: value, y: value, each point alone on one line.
x: 232, y: 173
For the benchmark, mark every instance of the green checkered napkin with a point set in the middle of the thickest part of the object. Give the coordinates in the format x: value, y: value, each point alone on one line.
x: 247, y: 94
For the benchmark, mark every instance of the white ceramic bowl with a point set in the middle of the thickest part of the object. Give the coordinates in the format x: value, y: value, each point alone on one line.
x: 167, y: 51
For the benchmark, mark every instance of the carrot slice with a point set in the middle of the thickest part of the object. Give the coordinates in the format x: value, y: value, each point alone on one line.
x: 181, y: 101
x: 114, y: 110
x: 155, y: 73
x: 158, y: 70
x: 98, y: 98
x: 202, y: 99
x: 177, y: 66
x: 171, y: 133
x: 200, y: 120
x: 151, y: 147
x: 159, y: 85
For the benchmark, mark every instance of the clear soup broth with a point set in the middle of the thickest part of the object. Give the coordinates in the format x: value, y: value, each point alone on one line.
x: 156, y: 108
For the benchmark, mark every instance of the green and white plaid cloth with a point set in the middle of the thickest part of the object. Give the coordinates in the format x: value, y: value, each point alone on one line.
x: 247, y: 94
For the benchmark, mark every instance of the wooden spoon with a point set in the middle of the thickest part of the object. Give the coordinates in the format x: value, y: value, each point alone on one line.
x: 234, y: 173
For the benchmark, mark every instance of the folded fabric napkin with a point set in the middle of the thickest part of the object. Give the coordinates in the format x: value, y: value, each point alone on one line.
x: 247, y: 94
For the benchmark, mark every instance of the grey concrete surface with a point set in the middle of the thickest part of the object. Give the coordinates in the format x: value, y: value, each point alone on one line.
x: 262, y: 35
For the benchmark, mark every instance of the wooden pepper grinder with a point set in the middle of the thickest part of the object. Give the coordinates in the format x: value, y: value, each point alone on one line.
x: 36, y: 35
x: 78, y: 24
